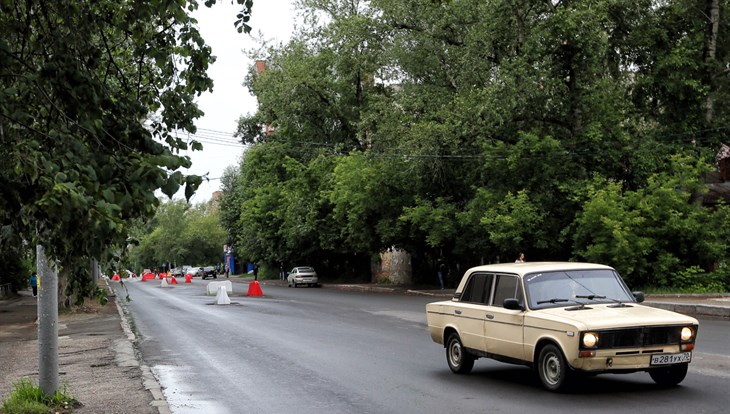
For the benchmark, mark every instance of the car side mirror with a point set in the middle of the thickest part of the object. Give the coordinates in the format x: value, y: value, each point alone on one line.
x: 639, y: 296
x: 512, y: 304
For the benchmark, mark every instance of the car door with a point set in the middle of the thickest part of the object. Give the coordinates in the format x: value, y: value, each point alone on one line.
x: 504, y: 328
x: 471, y: 310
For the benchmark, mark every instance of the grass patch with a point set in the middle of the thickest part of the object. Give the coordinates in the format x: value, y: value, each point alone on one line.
x: 28, y: 398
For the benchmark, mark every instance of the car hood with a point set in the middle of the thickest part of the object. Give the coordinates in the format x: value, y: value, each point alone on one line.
x: 604, y: 316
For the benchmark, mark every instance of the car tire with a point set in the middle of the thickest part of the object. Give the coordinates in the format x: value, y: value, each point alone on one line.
x: 669, y: 376
x: 552, y: 368
x: 459, y: 359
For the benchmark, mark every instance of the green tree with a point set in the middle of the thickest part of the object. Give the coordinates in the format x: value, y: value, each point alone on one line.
x: 476, y: 129
x: 77, y: 82
x: 180, y: 234
x: 653, y: 235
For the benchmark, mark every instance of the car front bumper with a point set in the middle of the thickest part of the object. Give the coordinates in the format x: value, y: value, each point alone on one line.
x: 625, y: 359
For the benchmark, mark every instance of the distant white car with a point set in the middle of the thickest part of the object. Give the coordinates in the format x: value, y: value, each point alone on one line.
x: 302, y: 275
x: 562, y: 319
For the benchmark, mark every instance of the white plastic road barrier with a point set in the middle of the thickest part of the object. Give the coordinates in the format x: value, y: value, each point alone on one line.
x: 164, y: 283
x: 213, y: 287
x: 222, y: 297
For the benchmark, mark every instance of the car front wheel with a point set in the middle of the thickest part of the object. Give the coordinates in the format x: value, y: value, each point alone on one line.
x: 459, y: 359
x: 669, y: 376
x: 552, y: 368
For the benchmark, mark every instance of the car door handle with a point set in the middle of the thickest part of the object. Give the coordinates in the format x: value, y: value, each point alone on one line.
x: 490, y: 316
x: 457, y: 311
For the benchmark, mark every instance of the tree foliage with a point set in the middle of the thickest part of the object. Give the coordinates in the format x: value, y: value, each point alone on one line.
x: 477, y: 129
x: 91, y: 96
x: 180, y: 234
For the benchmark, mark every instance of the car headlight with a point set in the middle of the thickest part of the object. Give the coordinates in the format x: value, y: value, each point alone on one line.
x: 687, y: 333
x: 590, y: 339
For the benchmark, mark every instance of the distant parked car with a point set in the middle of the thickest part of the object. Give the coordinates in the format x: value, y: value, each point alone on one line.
x: 206, y: 272
x: 302, y: 275
x: 177, y: 272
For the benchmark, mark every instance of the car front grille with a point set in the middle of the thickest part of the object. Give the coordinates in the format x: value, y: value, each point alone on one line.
x: 639, y: 337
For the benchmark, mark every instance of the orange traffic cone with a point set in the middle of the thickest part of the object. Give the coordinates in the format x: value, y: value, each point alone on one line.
x: 254, y: 289
x: 188, y: 278
x: 173, y: 281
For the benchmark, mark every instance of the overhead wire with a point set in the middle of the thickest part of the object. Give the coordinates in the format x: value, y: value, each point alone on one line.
x: 312, y: 148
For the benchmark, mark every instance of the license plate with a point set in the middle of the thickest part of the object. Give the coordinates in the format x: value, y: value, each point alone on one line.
x: 668, y: 359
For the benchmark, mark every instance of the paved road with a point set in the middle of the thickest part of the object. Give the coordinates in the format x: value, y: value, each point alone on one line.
x: 328, y: 351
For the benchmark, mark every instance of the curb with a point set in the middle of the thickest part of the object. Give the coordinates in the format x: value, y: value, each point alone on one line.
x: 128, y: 353
x: 696, y: 311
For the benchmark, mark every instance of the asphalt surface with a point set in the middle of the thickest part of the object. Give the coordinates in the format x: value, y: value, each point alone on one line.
x: 97, y: 350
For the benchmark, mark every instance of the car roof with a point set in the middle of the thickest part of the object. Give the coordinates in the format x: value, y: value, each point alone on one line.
x: 532, y: 267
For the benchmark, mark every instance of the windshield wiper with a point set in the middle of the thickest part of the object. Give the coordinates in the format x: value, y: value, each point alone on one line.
x: 616, y: 303
x: 553, y: 300
x: 590, y: 297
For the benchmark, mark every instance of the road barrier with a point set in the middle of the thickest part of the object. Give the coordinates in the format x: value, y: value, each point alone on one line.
x: 213, y: 287
x: 222, y: 297
x: 254, y: 289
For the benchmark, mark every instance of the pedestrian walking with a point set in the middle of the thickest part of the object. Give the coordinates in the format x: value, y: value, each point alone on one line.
x: 34, y: 283
x: 282, y: 274
x: 255, y: 271
x: 442, y: 273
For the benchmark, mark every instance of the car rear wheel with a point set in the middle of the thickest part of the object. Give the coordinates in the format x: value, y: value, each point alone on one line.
x: 669, y: 376
x: 459, y: 359
x: 552, y: 368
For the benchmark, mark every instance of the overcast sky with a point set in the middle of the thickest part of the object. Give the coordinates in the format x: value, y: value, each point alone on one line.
x: 229, y: 99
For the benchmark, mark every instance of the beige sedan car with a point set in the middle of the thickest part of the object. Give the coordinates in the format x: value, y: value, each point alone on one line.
x: 562, y: 319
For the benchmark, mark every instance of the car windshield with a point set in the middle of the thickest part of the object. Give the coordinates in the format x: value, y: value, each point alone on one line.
x: 305, y: 270
x: 566, y: 288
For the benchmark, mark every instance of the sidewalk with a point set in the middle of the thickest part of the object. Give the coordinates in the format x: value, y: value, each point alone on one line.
x: 100, y: 367
x: 97, y: 360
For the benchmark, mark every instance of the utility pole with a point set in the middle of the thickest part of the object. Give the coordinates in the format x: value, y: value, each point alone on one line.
x: 47, y: 324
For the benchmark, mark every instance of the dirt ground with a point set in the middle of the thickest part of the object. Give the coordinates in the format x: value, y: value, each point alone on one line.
x: 91, y: 356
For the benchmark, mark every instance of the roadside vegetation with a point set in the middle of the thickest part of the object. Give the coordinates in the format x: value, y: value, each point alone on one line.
x: 28, y: 398
x: 475, y: 130
x: 179, y: 234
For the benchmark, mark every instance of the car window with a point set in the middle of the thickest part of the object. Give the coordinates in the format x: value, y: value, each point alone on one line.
x: 506, y: 287
x: 477, y: 288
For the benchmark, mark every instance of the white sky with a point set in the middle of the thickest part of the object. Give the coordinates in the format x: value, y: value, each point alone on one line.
x: 229, y: 100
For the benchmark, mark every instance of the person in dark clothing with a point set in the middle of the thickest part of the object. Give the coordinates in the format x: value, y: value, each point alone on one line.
x: 442, y: 273
x: 255, y: 271
x: 34, y: 283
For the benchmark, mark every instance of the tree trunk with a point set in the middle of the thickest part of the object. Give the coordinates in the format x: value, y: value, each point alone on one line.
x: 713, y: 9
